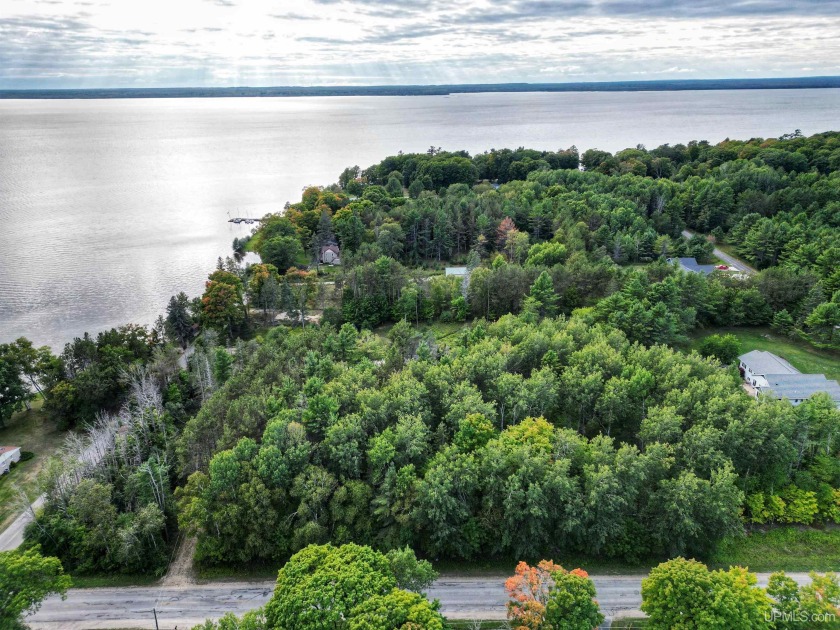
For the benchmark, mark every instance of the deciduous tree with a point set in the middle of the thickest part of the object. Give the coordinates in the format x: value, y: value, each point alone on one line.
x: 683, y: 593
x: 26, y: 579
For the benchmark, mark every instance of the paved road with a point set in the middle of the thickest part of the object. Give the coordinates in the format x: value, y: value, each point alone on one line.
x: 729, y: 260
x: 183, y: 607
x: 12, y: 536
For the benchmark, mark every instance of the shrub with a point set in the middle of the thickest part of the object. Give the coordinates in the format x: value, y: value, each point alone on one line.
x: 801, y: 505
x: 725, y: 348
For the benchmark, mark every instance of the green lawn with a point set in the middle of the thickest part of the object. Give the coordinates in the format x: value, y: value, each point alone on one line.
x: 250, y: 572
x: 502, y: 567
x: 781, y: 549
x: 462, y: 624
x: 777, y: 549
x: 629, y: 622
x: 32, y: 431
x: 112, y: 580
x: 801, y: 355
x: 441, y: 330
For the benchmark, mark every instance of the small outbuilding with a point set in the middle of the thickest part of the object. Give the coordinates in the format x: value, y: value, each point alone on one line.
x: 8, y: 456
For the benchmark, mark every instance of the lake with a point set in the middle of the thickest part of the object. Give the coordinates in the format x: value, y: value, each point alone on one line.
x: 108, y: 207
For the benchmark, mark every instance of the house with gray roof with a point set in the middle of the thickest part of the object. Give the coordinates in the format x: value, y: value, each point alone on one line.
x: 331, y: 254
x: 798, y: 388
x: 691, y: 265
x: 757, y: 365
x: 770, y: 375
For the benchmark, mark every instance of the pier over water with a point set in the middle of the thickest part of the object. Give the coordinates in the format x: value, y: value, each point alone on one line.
x: 239, y: 220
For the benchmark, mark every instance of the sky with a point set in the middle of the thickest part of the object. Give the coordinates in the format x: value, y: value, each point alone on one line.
x: 169, y: 43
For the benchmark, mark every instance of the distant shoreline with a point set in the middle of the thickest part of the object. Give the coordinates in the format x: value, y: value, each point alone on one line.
x: 797, y: 83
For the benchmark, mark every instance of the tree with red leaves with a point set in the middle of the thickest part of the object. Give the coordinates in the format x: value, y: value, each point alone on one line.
x: 547, y: 597
x: 528, y: 590
x: 503, y: 231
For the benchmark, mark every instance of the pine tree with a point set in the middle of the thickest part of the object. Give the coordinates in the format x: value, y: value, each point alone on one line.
x: 542, y: 291
x: 179, y: 322
x: 782, y: 322
x: 815, y: 297
x: 222, y: 362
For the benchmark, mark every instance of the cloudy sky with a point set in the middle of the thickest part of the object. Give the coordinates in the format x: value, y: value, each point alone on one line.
x: 153, y: 43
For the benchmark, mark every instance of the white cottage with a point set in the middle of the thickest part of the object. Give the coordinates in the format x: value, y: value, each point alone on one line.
x: 331, y: 254
x: 8, y: 456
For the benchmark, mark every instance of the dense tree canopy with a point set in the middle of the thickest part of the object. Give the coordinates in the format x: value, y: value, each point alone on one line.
x: 559, y: 420
x: 520, y: 438
x: 684, y: 594
x: 345, y: 587
x: 774, y: 201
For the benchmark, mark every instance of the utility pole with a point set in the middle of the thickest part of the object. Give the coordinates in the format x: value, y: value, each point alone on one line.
x: 154, y: 612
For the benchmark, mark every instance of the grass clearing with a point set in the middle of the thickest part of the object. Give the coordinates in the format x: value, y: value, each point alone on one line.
x: 257, y: 571
x: 777, y: 549
x: 801, y: 355
x: 781, y: 549
x: 440, y: 330
x: 505, y: 567
x: 629, y: 623
x: 112, y: 580
x: 31, y: 431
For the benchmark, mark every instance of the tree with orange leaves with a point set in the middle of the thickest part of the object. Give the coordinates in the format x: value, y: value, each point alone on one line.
x: 547, y: 597
x: 528, y: 590
x: 503, y: 231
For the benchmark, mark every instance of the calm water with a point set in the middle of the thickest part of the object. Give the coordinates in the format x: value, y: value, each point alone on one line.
x: 109, y: 207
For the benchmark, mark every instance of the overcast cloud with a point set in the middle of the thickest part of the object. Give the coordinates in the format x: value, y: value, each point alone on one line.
x: 154, y: 43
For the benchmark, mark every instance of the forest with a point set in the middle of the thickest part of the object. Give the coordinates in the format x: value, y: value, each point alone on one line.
x: 564, y: 416
x: 518, y: 439
x: 590, y: 221
x: 425, y: 90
